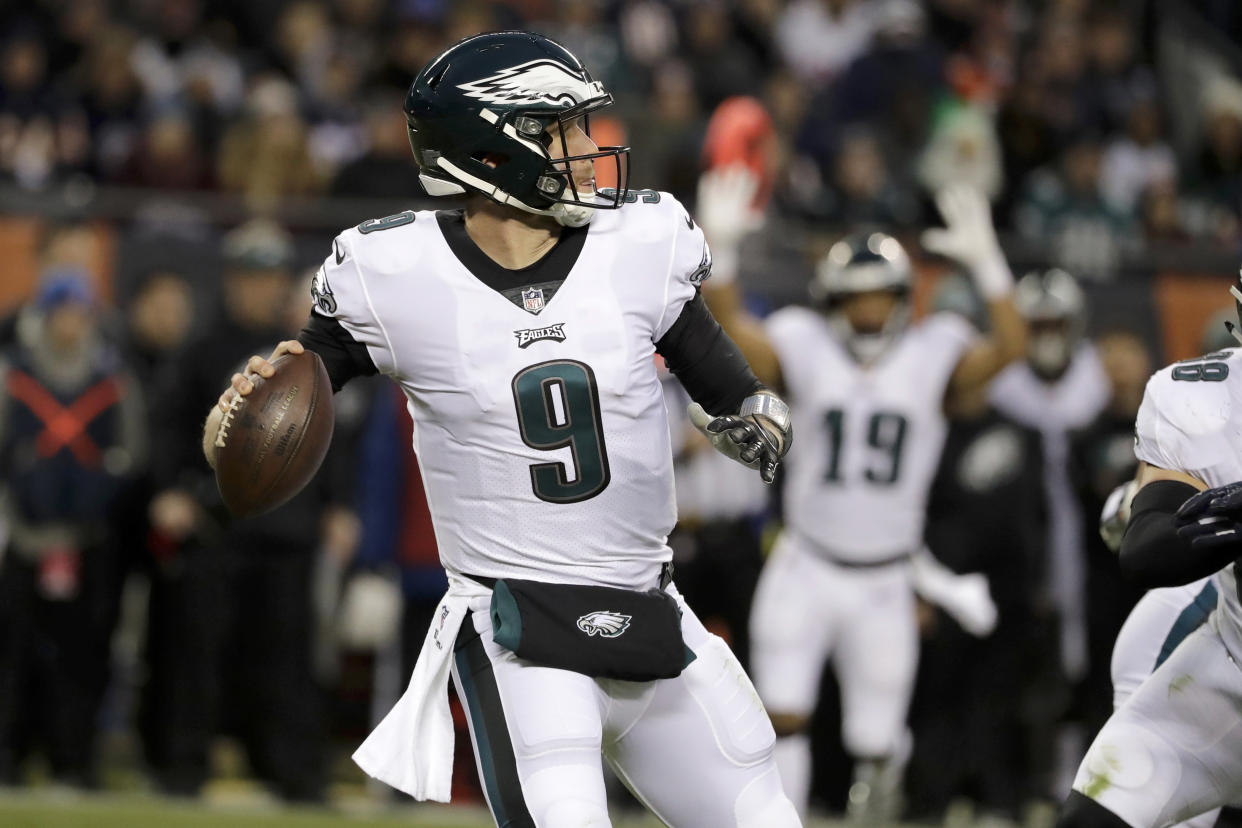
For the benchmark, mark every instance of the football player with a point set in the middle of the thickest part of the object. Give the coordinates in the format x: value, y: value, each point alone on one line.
x: 868, y: 389
x: 1061, y: 386
x: 1173, y: 749
x: 1160, y: 621
x: 523, y: 330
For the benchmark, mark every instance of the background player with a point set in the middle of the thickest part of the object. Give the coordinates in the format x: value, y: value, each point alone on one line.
x: 523, y: 331
x: 867, y: 389
x: 1173, y: 749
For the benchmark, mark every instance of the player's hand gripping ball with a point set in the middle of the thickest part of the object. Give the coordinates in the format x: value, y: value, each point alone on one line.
x: 276, y: 428
x: 1212, y: 519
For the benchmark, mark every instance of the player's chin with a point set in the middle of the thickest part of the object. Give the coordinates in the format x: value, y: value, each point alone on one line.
x: 585, y: 191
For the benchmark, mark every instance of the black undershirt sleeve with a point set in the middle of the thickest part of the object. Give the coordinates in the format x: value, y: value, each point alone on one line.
x: 1152, y: 554
x: 706, y: 361
x: 343, y: 356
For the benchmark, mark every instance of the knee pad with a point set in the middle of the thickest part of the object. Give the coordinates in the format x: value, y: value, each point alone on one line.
x: 1080, y: 811
x: 738, y: 720
x: 763, y: 804
x: 569, y: 795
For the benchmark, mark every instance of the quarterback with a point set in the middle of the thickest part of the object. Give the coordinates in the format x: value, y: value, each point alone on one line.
x: 1173, y: 749
x: 868, y: 390
x: 523, y: 330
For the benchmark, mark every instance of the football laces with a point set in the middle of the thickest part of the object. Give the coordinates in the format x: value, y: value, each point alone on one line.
x: 222, y: 433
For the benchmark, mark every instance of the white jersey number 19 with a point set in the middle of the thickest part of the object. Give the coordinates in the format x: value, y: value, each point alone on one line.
x: 886, y: 435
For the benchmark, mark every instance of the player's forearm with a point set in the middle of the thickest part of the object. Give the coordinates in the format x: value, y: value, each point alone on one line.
x: 1008, y: 334
x: 709, y: 365
x: 725, y: 303
x: 1152, y: 554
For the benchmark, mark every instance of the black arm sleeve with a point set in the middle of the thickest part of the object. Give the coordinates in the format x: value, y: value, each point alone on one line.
x: 343, y: 356
x: 708, y: 363
x: 1152, y: 554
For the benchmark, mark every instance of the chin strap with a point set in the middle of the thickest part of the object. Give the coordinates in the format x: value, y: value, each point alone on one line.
x: 567, y: 215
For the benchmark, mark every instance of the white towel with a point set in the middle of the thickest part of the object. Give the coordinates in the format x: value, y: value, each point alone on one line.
x: 966, y: 598
x: 412, y: 748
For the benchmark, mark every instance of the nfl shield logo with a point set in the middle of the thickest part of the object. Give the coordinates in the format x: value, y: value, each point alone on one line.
x: 532, y: 299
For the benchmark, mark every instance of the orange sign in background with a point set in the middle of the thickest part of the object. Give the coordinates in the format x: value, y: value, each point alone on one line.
x: 1184, y: 304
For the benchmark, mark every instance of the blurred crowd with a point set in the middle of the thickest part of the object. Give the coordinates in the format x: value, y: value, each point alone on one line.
x: 1083, y: 119
x: 129, y: 599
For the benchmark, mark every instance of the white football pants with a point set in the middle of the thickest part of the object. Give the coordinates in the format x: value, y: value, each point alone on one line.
x: 808, y: 609
x: 696, y: 749
x: 1173, y: 750
x: 1159, y: 622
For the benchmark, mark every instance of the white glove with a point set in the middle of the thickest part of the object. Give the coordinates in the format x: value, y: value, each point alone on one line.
x: 726, y: 213
x: 1115, y: 516
x: 965, y: 598
x: 970, y: 238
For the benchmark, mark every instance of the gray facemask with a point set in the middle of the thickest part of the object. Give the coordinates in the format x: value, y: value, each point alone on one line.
x: 1048, y: 353
x: 867, y: 348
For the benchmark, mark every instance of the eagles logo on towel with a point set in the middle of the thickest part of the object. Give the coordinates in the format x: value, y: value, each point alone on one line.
x: 604, y: 623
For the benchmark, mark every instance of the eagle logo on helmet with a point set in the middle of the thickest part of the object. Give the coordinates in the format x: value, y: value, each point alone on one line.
x: 604, y: 623
x: 534, y: 83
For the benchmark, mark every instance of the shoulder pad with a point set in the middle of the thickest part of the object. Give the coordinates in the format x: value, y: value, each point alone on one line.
x: 1185, y: 416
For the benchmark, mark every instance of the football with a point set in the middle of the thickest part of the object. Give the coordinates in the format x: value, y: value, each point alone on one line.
x: 272, y: 441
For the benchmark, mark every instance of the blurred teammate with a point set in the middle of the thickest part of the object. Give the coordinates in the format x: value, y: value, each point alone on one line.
x: 868, y: 389
x: 1101, y: 457
x: 523, y: 331
x: 985, y: 514
x: 1060, y: 387
x: 1173, y: 749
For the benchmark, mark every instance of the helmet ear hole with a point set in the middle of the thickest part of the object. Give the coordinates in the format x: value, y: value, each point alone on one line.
x: 491, y: 159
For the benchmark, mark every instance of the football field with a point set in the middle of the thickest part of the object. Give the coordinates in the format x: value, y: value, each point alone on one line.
x: 46, y: 809
x: 20, y: 809
x: 52, y: 809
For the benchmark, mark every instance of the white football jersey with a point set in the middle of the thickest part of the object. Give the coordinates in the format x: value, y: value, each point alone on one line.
x: 1187, y: 423
x: 866, y: 439
x: 540, y: 430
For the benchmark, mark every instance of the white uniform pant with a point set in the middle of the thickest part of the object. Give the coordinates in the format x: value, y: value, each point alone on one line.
x: 1160, y: 621
x: 1174, y: 748
x: 696, y: 749
x: 808, y: 609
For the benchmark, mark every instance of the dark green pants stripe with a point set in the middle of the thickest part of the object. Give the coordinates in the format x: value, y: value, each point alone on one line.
x: 491, y: 733
x: 1190, y: 619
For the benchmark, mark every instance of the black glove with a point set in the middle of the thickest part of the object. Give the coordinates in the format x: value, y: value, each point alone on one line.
x: 1212, y: 519
x: 754, y: 440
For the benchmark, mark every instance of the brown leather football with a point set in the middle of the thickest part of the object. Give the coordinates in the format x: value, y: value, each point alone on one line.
x: 272, y: 441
